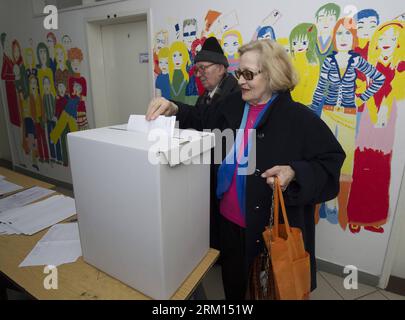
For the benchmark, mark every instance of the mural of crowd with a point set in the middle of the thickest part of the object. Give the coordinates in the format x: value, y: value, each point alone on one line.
x: 351, y: 74
x: 46, y: 98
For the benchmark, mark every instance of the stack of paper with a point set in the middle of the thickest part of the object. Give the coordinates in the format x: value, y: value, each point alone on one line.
x: 7, y: 187
x: 60, y: 245
x: 23, y: 198
x: 37, y: 216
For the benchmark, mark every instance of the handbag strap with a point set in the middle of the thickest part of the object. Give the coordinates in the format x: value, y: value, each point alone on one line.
x: 278, y: 200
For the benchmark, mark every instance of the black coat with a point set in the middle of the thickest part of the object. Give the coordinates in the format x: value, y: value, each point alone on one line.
x: 228, y: 85
x: 288, y: 134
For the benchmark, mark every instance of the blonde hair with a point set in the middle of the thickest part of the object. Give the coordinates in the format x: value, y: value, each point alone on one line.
x: 374, y: 56
x: 29, y: 52
x: 231, y: 33
x: 375, y: 50
x: 274, y: 63
x: 180, y: 47
x: 61, y: 47
x: 164, y: 53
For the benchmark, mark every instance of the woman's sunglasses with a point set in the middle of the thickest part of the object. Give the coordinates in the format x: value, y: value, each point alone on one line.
x: 247, y: 74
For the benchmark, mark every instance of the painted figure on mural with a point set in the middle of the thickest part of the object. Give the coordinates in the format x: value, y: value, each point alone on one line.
x: 51, y: 43
x: 338, y: 109
x: 195, y: 49
x: 30, y: 63
x: 178, y: 62
x: 189, y: 36
x: 62, y: 100
x: 61, y: 59
x: 325, y: 20
x: 266, y: 32
x: 374, y: 145
x: 162, y: 84
x: 21, y: 85
x: 231, y: 41
x: 161, y: 41
x: 7, y: 74
x: 76, y: 57
x: 21, y: 82
x: 209, y: 20
x: 367, y: 21
x: 66, y: 114
x: 49, y: 101
x: 189, y: 33
x: 67, y: 44
x: 39, y: 120
x: 43, y: 68
x: 28, y: 114
x: 30, y: 70
x: 305, y: 60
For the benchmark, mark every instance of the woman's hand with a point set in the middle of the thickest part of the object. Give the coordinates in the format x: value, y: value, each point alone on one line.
x: 160, y: 106
x: 285, y: 175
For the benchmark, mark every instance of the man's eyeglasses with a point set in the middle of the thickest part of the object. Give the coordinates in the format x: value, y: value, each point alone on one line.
x: 202, y: 68
x: 247, y: 74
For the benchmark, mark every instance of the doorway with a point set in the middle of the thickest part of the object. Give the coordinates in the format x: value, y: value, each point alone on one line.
x: 120, y: 67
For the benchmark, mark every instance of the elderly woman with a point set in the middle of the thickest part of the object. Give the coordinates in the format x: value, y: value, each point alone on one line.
x: 292, y: 144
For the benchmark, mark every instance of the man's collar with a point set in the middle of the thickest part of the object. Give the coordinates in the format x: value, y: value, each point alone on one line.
x: 211, y: 93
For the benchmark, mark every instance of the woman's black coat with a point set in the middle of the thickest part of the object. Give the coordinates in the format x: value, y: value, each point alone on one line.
x: 288, y: 134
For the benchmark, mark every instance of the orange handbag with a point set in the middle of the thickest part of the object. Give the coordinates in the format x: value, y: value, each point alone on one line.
x: 289, y: 260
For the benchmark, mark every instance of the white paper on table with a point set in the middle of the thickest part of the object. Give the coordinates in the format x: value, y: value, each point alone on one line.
x: 61, y: 244
x: 1, y: 177
x: 23, y: 198
x: 7, y: 187
x: 40, y: 215
x: 138, y: 123
x: 5, y: 229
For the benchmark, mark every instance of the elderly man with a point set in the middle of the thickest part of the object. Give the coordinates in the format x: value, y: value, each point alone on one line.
x: 211, y: 68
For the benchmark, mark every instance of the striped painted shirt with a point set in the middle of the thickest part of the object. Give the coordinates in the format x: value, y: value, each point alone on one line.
x: 340, y: 91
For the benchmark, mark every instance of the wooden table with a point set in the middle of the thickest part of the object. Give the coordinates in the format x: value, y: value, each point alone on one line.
x: 77, y: 280
x: 22, y: 180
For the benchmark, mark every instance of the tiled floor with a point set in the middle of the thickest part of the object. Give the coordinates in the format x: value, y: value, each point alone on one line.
x: 330, y: 287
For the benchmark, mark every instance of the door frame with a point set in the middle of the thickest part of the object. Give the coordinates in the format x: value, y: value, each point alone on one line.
x: 94, y: 44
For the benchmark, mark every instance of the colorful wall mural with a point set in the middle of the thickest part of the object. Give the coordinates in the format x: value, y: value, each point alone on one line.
x: 46, y: 98
x: 351, y: 71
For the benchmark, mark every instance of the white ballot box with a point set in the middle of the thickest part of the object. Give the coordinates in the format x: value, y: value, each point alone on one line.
x: 143, y: 209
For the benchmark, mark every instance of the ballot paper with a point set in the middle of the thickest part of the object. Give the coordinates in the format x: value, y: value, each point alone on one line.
x: 23, y: 198
x: 37, y: 216
x: 60, y: 245
x: 138, y: 123
x: 7, y: 187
